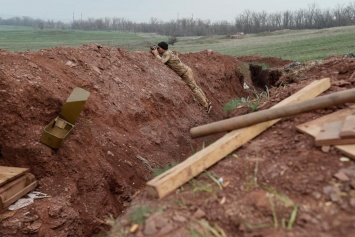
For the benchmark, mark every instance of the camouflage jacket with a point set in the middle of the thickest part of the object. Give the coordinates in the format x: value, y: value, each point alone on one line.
x: 173, y: 61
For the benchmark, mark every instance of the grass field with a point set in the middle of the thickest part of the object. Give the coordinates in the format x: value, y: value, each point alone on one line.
x: 16, y: 39
x: 301, y: 45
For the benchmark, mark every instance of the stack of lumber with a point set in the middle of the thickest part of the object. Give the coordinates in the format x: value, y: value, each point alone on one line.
x: 336, y: 129
x: 14, y: 183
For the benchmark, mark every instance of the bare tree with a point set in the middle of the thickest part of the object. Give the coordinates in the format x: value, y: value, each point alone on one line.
x: 247, y: 22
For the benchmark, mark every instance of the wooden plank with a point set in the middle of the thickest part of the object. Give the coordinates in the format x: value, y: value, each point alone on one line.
x: 167, y: 182
x: 348, y: 150
x: 12, y: 191
x: 329, y: 135
x: 10, y: 173
x: 313, y: 127
x: 348, y: 128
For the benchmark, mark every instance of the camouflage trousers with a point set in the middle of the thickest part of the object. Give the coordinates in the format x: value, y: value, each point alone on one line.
x: 188, y: 78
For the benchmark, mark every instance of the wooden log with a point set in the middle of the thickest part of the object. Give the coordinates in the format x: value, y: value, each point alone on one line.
x: 226, y: 125
x: 168, y: 181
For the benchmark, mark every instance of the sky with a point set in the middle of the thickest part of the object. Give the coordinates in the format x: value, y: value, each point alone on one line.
x: 145, y: 10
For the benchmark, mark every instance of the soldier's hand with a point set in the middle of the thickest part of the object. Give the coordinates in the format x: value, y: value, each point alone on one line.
x: 155, y: 52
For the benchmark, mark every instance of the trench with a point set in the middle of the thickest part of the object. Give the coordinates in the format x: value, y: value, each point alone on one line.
x: 263, y: 78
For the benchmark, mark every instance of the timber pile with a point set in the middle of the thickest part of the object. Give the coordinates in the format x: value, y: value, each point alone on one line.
x: 336, y: 129
x: 168, y: 181
x: 14, y: 183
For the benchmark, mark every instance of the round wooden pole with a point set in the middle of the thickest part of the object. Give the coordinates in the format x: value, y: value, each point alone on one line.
x: 230, y: 124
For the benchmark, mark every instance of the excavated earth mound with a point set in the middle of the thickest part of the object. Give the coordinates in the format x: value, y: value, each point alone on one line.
x: 278, y: 184
x: 136, y: 118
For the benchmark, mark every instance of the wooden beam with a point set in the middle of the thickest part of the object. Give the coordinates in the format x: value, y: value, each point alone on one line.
x: 10, y: 173
x: 167, y: 182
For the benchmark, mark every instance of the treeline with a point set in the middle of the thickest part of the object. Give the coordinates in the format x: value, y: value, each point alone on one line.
x: 38, y: 23
x: 248, y: 22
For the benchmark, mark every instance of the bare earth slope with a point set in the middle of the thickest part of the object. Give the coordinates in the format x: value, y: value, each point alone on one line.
x: 266, y: 179
x: 138, y: 115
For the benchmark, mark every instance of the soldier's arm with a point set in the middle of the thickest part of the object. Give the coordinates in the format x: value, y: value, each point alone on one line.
x: 165, y: 57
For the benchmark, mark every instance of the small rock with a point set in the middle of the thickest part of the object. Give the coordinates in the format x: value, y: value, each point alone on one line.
x: 223, y: 200
x: 341, y: 176
x: 128, y: 163
x: 325, y: 149
x: 334, y: 197
x: 316, y: 195
x: 180, y: 219
x: 160, y: 221
x: 325, y: 226
x: 110, y: 153
x: 199, y: 214
x: 150, y: 227
x: 70, y: 64
x: 344, y: 159
x: 350, y: 171
x: 33, y: 65
x: 96, y: 69
x: 31, y: 228
x: 332, y: 192
x: 133, y: 228
x: 166, y: 229
x: 226, y: 184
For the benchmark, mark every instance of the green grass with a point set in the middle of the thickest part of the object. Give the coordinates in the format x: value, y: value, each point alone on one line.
x: 251, y: 104
x: 16, y: 39
x: 158, y: 171
x: 296, y: 45
x: 302, y: 45
x: 140, y: 214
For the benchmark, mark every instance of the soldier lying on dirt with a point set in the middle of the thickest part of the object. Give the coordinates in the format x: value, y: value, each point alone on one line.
x: 172, y: 61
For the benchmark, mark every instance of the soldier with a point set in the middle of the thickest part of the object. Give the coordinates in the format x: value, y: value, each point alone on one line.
x: 185, y: 72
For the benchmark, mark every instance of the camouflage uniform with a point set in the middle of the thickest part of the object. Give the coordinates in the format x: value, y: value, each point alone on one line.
x: 173, y: 62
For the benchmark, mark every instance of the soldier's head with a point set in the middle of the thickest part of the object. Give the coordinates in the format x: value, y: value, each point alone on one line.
x: 162, y: 46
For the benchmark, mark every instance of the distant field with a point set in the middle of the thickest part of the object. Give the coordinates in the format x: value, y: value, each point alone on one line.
x: 16, y: 39
x: 302, y: 45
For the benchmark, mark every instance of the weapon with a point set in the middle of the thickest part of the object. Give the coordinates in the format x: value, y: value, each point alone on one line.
x: 153, y: 47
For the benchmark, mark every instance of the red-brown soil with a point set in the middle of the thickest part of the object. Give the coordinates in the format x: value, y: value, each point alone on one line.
x: 138, y: 108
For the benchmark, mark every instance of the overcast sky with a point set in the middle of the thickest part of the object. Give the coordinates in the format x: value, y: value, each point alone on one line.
x: 144, y: 10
